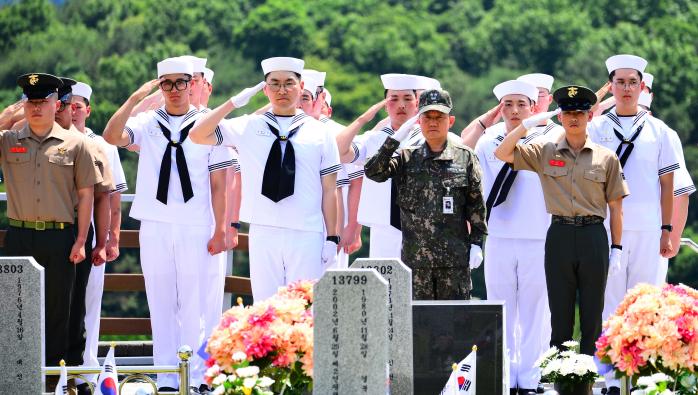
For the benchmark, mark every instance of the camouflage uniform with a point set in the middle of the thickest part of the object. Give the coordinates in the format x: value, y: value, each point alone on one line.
x: 435, y: 245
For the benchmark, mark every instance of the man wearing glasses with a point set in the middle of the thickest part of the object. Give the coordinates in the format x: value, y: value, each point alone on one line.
x: 180, y: 195
x: 648, y: 162
x: 289, y: 163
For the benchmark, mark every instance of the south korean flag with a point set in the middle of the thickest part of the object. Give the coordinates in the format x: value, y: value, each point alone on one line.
x: 462, y: 380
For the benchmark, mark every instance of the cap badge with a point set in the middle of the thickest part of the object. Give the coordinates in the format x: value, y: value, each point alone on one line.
x: 33, y: 79
x: 434, y: 96
x: 572, y: 91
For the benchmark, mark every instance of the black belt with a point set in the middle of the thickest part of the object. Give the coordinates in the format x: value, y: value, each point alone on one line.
x: 581, y: 220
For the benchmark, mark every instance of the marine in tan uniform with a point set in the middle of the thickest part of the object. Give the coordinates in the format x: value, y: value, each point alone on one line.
x: 580, y: 180
x: 49, y: 173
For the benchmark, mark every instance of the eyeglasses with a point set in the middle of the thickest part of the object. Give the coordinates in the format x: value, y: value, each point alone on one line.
x: 275, y: 86
x: 631, y: 84
x: 168, y: 85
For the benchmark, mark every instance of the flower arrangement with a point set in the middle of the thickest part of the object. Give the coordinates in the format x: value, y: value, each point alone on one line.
x: 567, y: 368
x: 272, y: 338
x: 653, y: 331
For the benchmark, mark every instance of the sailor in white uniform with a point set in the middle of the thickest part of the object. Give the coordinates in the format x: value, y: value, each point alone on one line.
x: 289, y: 164
x: 515, y: 246
x: 82, y: 96
x: 649, y: 160
x: 377, y: 207
x: 180, y: 201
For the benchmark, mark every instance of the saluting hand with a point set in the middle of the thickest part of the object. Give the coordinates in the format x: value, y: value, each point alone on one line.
x: 145, y: 90
x: 242, y: 98
x: 492, y: 116
x: 77, y: 253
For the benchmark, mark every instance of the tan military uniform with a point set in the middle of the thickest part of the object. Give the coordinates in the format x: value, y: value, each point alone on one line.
x: 577, y: 188
x: 101, y: 162
x: 574, y: 184
x: 42, y: 176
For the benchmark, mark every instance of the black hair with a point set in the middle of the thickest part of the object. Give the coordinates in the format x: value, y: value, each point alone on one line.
x: 294, y: 73
x: 414, y: 91
x: 613, y: 73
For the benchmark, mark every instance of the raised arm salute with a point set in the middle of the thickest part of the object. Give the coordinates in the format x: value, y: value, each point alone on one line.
x: 580, y: 180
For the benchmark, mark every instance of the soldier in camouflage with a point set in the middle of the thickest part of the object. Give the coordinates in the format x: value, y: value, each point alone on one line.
x: 439, y: 194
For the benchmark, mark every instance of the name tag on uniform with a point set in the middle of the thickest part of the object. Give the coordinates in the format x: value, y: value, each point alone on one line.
x: 18, y: 150
x: 448, y: 205
x: 607, y: 138
x: 557, y: 163
x: 491, y: 157
x: 263, y: 133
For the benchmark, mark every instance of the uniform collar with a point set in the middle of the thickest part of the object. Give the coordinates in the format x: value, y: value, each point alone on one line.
x: 163, y: 117
x: 56, y: 132
x: 563, y: 145
x: 446, y: 154
x: 638, y: 120
x: 299, y: 119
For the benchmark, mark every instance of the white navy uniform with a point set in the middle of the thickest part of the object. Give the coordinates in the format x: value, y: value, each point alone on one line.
x: 515, y: 252
x: 652, y: 157
x: 374, y: 206
x: 95, y: 283
x: 683, y: 185
x: 174, y: 236
x: 286, y: 238
x: 345, y: 175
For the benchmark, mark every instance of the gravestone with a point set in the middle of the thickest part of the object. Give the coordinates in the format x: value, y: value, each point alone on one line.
x: 444, y: 334
x: 350, y: 354
x: 22, y: 329
x: 399, y: 278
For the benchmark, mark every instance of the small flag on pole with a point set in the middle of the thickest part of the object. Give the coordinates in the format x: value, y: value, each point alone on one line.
x: 62, y: 386
x: 462, y: 379
x: 108, y: 381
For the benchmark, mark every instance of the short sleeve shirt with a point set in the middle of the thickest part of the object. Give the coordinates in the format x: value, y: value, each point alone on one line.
x: 146, y: 130
x: 112, y: 154
x: 652, y: 157
x: 43, y: 176
x: 523, y: 214
x: 579, y: 184
x: 316, y: 156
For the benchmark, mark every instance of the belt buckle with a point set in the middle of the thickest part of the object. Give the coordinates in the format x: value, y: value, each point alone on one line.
x: 579, y: 221
x: 40, y: 225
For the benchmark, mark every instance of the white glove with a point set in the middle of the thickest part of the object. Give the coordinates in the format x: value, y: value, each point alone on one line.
x: 404, y: 130
x: 475, y: 256
x: 329, y: 253
x: 614, y: 262
x: 538, y: 118
x: 242, y: 98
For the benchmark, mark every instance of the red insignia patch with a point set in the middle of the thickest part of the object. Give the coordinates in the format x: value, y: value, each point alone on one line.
x: 18, y: 150
x: 557, y: 163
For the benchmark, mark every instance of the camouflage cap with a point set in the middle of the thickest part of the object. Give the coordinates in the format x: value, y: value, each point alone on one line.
x: 435, y: 99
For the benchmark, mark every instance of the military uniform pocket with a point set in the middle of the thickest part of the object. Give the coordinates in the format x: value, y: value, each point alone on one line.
x: 555, y: 171
x: 18, y: 158
x: 61, y: 160
x: 596, y: 175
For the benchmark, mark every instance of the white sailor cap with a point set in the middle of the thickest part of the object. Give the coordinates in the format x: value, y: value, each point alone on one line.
x: 400, y: 82
x: 328, y: 97
x: 648, y: 79
x: 427, y: 83
x: 318, y: 76
x: 625, y: 61
x: 310, y: 84
x: 539, y: 80
x: 645, y: 99
x: 282, y: 64
x: 198, y: 64
x: 208, y: 75
x: 82, y: 89
x: 515, y: 87
x: 175, y: 66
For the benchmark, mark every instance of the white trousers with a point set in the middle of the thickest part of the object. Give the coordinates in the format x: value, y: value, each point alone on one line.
x: 662, y: 270
x: 175, y: 264
x: 386, y: 242
x: 280, y: 256
x: 214, y: 280
x: 515, y: 273
x: 93, y: 310
x: 639, y: 263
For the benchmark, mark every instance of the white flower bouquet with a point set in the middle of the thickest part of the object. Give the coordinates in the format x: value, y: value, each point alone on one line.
x: 567, y: 368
